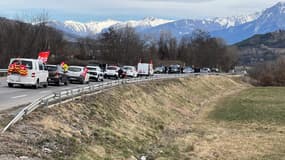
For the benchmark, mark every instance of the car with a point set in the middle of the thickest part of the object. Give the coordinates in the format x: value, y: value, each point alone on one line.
x: 56, y: 75
x: 78, y: 74
x: 174, y: 68
x: 188, y: 70
x: 205, y: 70
x: 215, y: 70
x: 112, y: 72
x: 95, y: 73
x: 30, y: 72
x: 197, y: 70
x: 159, y: 70
x: 130, y: 71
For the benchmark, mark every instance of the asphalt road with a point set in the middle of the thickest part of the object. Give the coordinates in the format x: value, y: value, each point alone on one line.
x: 17, y: 96
x: 13, y: 97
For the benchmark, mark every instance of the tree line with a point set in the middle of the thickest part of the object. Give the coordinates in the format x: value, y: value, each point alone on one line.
x: 19, y: 39
x: 115, y: 46
x: 271, y: 73
x: 125, y: 46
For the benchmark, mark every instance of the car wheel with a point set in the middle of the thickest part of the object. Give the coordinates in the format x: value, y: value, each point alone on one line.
x: 45, y: 85
x: 10, y: 85
x: 66, y: 83
x: 36, y: 86
x: 82, y: 81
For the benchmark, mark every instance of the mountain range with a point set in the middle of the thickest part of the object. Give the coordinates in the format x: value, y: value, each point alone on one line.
x: 231, y: 29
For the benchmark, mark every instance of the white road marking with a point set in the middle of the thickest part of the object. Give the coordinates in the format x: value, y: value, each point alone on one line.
x: 21, y: 96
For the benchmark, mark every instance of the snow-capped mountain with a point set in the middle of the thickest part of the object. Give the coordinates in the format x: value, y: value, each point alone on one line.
x: 150, y: 25
x: 143, y: 24
x: 232, y: 29
x: 187, y: 26
x: 82, y: 29
x: 236, y: 20
x: 92, y: 28
x: 270, y: 20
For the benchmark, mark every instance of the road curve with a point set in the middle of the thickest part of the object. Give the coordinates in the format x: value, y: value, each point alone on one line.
x: 13, y: 97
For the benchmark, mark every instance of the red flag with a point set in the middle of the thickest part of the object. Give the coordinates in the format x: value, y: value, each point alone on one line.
x: 43, y: 56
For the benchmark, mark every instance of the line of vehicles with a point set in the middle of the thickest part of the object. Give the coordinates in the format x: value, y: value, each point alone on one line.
x: 32, y: 72
x: 179, y: 69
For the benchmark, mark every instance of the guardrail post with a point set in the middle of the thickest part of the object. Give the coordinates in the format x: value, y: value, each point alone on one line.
x: 59, y: 98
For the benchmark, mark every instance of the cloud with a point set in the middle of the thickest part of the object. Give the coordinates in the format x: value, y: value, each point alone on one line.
x: 179, y: 1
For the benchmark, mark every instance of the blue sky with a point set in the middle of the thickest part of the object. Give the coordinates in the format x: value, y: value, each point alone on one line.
x: 90, y: 10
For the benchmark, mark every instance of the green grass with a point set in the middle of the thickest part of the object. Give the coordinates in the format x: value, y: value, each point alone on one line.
x: 264, y: 105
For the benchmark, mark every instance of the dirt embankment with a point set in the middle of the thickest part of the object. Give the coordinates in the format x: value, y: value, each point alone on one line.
x: 126, y: 122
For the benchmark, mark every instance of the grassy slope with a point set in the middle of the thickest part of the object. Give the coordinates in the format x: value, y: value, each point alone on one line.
x: 154, y: 119
x: 260, y: 105
x: 251, y: 125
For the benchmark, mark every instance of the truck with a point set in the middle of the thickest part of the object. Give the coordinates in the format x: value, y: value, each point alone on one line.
x: 145, y: 69
x: 30, y: 72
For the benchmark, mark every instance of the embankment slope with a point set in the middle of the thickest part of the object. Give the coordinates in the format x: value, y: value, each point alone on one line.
x: 125, y: 122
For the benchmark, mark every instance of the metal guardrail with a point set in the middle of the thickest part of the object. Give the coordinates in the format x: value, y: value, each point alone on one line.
x: 3, y: 70
x: 58, y: 97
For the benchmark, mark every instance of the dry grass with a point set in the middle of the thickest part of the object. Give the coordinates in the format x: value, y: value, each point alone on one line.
x: 158, y: 119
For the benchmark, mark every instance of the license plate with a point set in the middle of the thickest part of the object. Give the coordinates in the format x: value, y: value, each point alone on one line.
x: 15, y: 79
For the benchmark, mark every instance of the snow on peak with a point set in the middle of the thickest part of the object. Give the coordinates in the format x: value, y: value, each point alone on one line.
x: 236, y: 20
x: 95, y: 27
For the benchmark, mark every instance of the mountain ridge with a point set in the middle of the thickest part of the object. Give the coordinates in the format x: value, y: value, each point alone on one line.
x: 231, y: 29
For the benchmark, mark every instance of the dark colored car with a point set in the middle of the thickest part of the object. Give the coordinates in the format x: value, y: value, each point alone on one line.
x: 216, y: 70
x: 197, y: 70
x: 57, y: 75
x: 174, y: 69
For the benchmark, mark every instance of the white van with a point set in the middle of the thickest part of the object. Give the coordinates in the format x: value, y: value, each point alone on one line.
x: 145, y: 69
x: 35, y: 73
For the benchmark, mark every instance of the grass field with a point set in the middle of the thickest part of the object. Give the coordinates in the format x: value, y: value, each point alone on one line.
x: 258, y: 105
x: 247, y: 125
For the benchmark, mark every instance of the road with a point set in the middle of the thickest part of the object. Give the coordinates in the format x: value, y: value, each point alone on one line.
x: 17, y: 96
x: 13, y: 97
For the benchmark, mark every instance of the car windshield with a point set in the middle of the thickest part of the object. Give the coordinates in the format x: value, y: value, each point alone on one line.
x: 28, y: 64
x: 188, y: 69
x: 128, y: 68
x: 51, y: 68
x: 74, y: 69
x: 92, y: 68
x: 111, y: 68
x: 174, y: 66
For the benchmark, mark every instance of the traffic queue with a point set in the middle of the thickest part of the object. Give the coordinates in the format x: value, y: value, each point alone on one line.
x: 36, y: 73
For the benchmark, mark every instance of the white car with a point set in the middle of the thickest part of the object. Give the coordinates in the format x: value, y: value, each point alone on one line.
x: 130, y: 71
x: 78, y: 74
x: 95, y: 73
x: 205, y: 70
x: 23, y: 71
x: 188, y: 70
x: 112, y: 71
